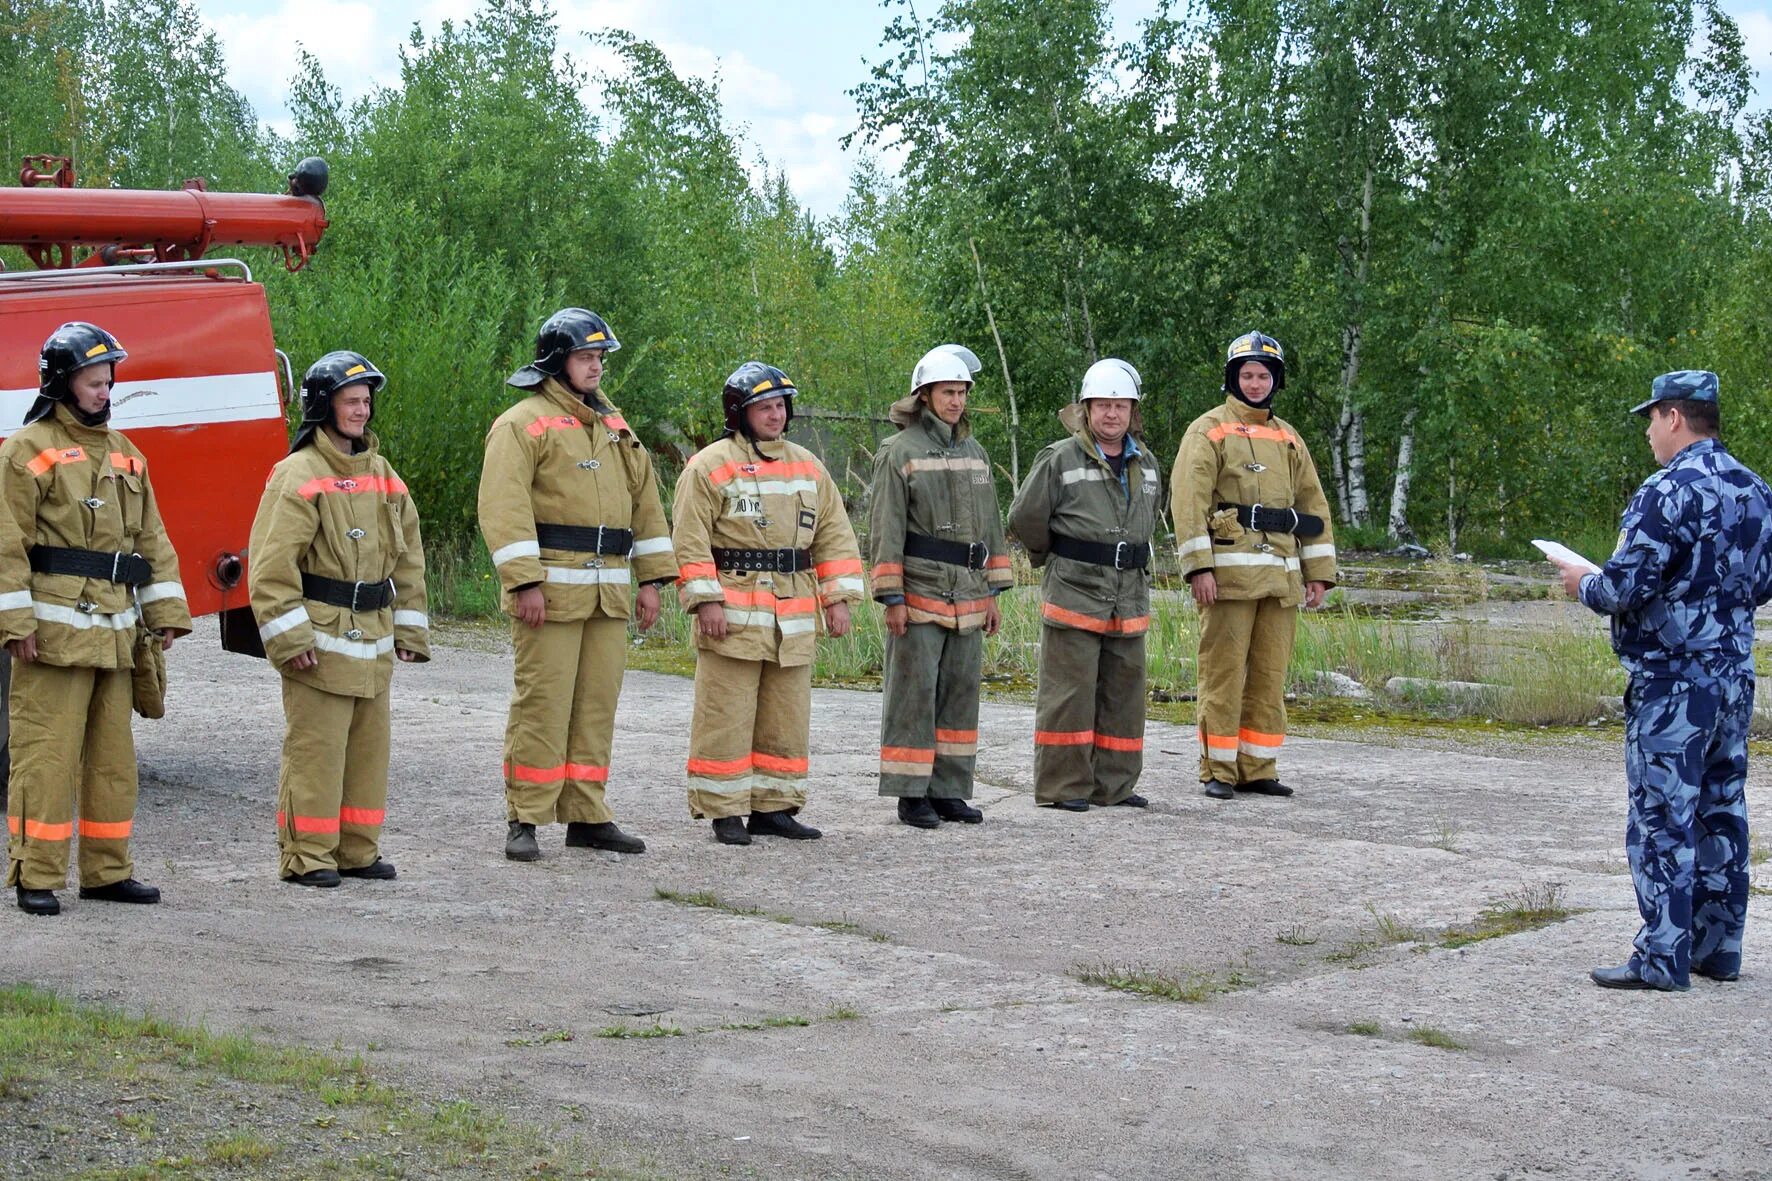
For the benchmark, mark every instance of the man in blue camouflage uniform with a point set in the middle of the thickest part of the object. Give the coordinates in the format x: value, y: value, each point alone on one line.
x: 1694, y: 559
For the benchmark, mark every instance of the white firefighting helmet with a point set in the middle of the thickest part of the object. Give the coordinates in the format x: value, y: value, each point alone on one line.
x: 948, y: 362
x: 1111, y: 377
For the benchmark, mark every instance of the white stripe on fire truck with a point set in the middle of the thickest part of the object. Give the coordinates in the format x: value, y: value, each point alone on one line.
x: 170, y: 401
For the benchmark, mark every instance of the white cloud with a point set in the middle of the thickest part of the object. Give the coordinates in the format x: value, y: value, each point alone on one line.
x: 261, y: 50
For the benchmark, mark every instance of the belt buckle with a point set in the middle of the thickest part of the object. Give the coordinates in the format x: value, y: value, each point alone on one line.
x: 793, y: 561
x: 1255, y: 516
x: 976, y: 554
x: 598, y: 547
x: 1119, y: 551
x: 117, y: 560
x: 356, y: 590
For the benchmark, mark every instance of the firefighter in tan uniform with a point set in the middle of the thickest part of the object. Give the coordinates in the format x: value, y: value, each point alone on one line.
x: 570, y: 511
x: 337, y: 580
x: 1252, y: 526
x: 765, y: 550
x: 84, y: 563
x: 1086, y: 513
x: 939, y: 561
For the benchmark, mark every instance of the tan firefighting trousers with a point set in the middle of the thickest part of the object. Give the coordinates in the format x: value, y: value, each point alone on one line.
x: 332, y: 789
x: 70, y: 738
x: 929, y: 712
x: 562, y: 723
x: 1245, y: 645
x: 748, y: 737
x: 1088, y: 716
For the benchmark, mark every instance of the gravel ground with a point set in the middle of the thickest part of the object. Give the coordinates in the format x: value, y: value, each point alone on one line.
x: 963, y: 1043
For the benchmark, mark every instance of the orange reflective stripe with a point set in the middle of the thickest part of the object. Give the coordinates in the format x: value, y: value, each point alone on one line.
x: 1214, y: 742
x: 720, y: 766
x: 888, y: 570
x: 840, y: 566
x: 524, y: 774
x: 1249, y: 431
x: 316, y: 824
x: 106, y: 830
x: 615, y: 422
x: 1135, y: 625
x: 740, y: 598
x: 1108, y: 742
x: 351, y: 484
x: 697, y: 570
x: 37, y: 830
x: 49, y: 458
x: 1063, y: 737
x: 1000, y: 562
x: 135, y: 465
x: 367, y: 817
x: 561, y: 422
x: 12, y: 825
x: 941, y: 607
x: 779, y: 764
x: 774, y: 469
x: 907, y: 754
x: 1263, y: 739
x: 587, y: 771
x: 956, y: 735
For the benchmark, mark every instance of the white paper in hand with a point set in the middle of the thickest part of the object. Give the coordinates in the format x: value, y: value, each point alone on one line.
x: 1558, y: 552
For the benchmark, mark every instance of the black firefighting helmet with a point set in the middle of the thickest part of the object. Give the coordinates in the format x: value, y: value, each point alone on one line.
x: 566, y: 331
x: 1254, y: 346
x: 326, y: 377
x: 70, y: 348
x: 752, y: 382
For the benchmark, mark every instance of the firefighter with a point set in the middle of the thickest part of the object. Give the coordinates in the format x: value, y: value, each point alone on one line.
x: 1252, y: 526
x: 570, y: 510
x: 84, y: 564
x: 1086, y: 513
x: 338, y: 589
x: 765, y: 549
x: 939, y: 561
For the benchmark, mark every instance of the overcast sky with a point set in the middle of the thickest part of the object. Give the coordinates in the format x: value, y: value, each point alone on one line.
x: 784, y: 64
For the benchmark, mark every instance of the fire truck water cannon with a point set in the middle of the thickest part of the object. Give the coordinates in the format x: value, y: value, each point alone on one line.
x: 48, y: 217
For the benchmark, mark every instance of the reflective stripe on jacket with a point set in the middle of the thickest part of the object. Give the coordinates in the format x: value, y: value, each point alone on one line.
x: 551, y: 458
x: 66, y: 484
x: 1236, y: 454
x: 345, y: 517
x: 1072, y: 491
x: 935, y: 480
x: 730, y: 496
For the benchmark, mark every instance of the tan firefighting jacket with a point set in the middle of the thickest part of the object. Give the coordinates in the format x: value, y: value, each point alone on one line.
x: 350, y: 518
x: 67, y: 484
x: 1237, y: 454
x: 550, y: 458
x: 1072, y: 491
x: 730, y: 497
x: 934, y: 479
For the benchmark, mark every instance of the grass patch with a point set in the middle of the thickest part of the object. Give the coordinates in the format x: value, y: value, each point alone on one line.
x: 546, y: 1039
x: 623, y: 1032
x: 1526, y: 909
x: 1388, y: 929
x: 844, y: 926
x: 1295, y: 937
x: 1189, y: 986
x: 769, y: 1023
x: 843, y: 1013
x: 1439, y: 1039
x: 238, y: 1148
x: 708, y: 900
x: 1365, y: 1028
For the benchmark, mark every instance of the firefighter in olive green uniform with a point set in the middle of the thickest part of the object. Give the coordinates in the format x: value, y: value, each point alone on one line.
x: 765, y: 549
x: 84, y: 563
x: 570, y: 510
x: 337, y: 580
x: 1086, y: 513
x: 1252, y: 526
x: 939, y: 561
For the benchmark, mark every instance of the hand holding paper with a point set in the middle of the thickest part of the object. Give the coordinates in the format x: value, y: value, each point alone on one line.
x: 1562, y: 555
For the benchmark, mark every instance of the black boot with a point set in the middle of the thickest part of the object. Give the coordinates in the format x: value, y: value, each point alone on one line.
x: 376, y: 871
x: 584, y: 835
x: 38, y: 901
x: 1218, y: 789
x: 782, y: 824
x: 730, y: 830
x: 1069, y: 805
x: 917, y: 812
x: 325, y: 878
x: 520, y: 842
x: 956, y: 809
x: 1265, y: 787
x: 1133, y: 801
x: 127, y: 890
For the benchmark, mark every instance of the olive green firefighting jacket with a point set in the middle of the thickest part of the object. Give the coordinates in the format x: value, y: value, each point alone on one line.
x: 1072, y: 491
x: 349, y: 518
x: 1237, y: 454
x: 735, y: 494
x: 552, y: 459
x: 67, y: 484
x: 935, y: 480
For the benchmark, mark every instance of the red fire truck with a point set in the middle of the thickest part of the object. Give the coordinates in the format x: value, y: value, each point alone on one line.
x: 204, y: 390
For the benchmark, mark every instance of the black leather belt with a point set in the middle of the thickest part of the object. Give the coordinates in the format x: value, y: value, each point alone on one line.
x: 777, y: 561
x: 358, y: 596
x: 129, y: 569
x: 585, y: 539
x: 1121, y: 555
x: 970, y: 554
x: 1276, y: 520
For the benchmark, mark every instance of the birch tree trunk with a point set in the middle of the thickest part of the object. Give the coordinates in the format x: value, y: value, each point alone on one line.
x: 1399, y: 518
x: 1353, y: 420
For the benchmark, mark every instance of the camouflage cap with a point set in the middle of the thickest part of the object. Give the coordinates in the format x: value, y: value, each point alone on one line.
x: 1694, y: 385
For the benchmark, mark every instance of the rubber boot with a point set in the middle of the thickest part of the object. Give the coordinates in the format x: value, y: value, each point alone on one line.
x: 917, y: 812
x: 584, y: 835
x: 730, y: 830
x: 954, y: 809
x: 520, y: 842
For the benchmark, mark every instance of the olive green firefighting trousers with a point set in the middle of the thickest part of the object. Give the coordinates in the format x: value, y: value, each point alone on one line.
x: 562, y: 722
x: 71, y: 742
x: 748, y: 737
x: 1245, y: 645
x: 929, y: 712
x: 1088, y: 716
x: 332, y: 787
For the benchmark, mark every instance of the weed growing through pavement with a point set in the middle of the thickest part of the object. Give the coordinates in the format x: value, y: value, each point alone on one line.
x: 1427, y: 1035
x: 1446, y: 832
x: 622, y: 1032
x: 768, y: 1023
x: 1526, y: 909
x: 708, y: 900
x: 1388, y: 928
x: 1188, y: 985
x: 1365, y: 1028
x: 843, y: 1013
x: 1295, y: 937
x: 552, y: 1036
